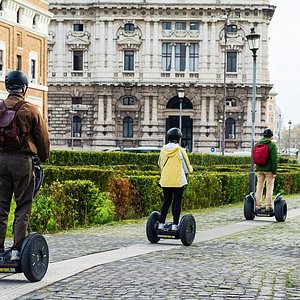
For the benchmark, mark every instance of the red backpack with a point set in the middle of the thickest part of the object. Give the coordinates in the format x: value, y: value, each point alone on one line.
x: 261, y: 154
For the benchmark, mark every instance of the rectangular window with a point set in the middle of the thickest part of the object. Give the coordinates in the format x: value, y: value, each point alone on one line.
x: 194, y: 57
x: 166, y: 56
x: 194, y: 26
x: 19, y: 39
x: 1, y: 60
x: 231, y: 61
x: 180, y: 26
x: 19, y: 63
x: 33, y: 70
x: 77, y: 27
x: 180, y: 57
x: 76, y: 100
x: 128, y: 60
x: 166, y: 25
x: 78, y: 60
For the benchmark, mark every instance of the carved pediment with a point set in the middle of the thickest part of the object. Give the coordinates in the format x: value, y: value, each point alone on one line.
x: 78, y: 40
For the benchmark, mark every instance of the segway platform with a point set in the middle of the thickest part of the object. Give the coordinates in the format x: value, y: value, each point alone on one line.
x: 34, y: 258
x: 280, y: 208
x: 186, y: 229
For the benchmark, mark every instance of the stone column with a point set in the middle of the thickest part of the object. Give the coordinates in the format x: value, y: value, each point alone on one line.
x: 203, y: 111
x: 147, y: 45
x: 249, y: 112
x: 187, y: 58
x: 146, y: 110
x: 211, y: 115
x: 101, y: 110
x: 173, y: 57
x: 154, y: 110
x: 109, y: 109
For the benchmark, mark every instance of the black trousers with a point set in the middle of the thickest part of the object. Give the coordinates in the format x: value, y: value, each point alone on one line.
x: 171, y: 196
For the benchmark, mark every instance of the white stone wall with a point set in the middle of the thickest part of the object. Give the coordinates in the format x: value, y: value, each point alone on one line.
x: 103, y: 41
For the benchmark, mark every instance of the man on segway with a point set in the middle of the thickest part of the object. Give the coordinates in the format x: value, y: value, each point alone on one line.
x: 21, y: 139
x: 175, y: 167
x: 266, y: 167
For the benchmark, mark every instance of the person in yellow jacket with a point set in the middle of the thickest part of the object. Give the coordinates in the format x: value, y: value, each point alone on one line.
x: 175, y: 167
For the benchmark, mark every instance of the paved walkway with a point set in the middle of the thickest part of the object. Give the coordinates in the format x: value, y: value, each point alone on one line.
x: 230, y: 259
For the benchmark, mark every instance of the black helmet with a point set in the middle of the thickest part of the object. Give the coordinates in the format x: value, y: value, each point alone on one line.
x: 174, y: 135
x: 268, y: 133
x: 15, y: 81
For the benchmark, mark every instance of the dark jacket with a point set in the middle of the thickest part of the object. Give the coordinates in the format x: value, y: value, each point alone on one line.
x: 271, y: 166
x: 32, y: 125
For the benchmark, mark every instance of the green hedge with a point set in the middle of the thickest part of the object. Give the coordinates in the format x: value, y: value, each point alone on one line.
x: 70, y: 204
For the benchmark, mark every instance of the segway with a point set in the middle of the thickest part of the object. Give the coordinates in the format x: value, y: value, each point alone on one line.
x: 34, y: 256
x: 280, y: 208
x: 186, y: 230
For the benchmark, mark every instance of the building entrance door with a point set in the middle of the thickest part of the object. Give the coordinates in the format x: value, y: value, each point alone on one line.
x: 187, y: 130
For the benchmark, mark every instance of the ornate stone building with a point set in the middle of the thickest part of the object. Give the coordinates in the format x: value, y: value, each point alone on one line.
x: 23, y: 46
x: 117, y: 70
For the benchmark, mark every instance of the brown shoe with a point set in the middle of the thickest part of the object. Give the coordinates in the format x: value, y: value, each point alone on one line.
x: 269, y: 209
x: 257, y: 208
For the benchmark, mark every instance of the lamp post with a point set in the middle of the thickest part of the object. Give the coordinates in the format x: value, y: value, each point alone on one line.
x: 253, y: 40
x: 71, y: 111
x: 290, y: 124
x: 180, y: 93
x: 279, y: 134
x: 224, y: 83
x: 220, y: 142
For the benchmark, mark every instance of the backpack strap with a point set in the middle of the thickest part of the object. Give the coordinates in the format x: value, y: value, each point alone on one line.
x: 18, y: 105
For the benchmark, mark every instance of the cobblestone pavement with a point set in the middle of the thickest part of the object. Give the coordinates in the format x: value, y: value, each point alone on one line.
x: 262, y: 263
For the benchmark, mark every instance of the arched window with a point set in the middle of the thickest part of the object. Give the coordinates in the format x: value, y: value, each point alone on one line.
x: 230, y: 128
x: 174, y: 103
x: 76, y: 129
x: 128, y: 101
x: 129, y: 27
x: 128, y: 127
x: 231, y: 29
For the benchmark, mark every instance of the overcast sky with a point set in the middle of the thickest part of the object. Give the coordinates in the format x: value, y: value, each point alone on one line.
x: 285, y: 57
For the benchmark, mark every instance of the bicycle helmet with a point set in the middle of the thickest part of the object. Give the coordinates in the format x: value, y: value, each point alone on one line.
x: 268, y: 133
x: 174, y: 135
x: 16, y: 82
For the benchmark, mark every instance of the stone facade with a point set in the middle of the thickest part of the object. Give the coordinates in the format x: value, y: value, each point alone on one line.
x: 23, y: 46
x: 115, y: 70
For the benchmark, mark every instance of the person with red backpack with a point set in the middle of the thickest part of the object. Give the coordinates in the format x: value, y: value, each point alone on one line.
x: 23, y: 134
x: 265, y: 157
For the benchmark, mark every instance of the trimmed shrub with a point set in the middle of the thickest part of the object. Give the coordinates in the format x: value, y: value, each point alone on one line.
x: 69, y: 204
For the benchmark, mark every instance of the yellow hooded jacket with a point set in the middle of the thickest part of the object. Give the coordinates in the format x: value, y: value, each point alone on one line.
x: 174, y: 165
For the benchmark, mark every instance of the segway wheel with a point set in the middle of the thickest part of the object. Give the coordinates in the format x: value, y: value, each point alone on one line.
x: 249, y: 209
x: 34, y: 257
x: 187, y: 229
x: 280, y: 210
x: 151, y: 227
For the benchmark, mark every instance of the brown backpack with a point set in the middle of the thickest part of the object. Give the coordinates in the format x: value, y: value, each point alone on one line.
x: 11, y: 138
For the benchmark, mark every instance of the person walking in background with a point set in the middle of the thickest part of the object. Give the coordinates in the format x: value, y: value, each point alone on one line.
x: 175, y: 167
x: 16, y: 165
x: 266, y: 172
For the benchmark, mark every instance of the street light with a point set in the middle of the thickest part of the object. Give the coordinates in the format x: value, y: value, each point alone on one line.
x: 290, y: 124
x: 226, y: 15
x: 253, y: 40
x: 72, y: 112
x: 180, y: 93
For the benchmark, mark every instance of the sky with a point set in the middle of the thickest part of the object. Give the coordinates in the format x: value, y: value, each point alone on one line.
x: 284, y: 59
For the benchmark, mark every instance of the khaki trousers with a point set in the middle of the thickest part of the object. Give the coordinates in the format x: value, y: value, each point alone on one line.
x: 263, y: 178
x: 16, y: 178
